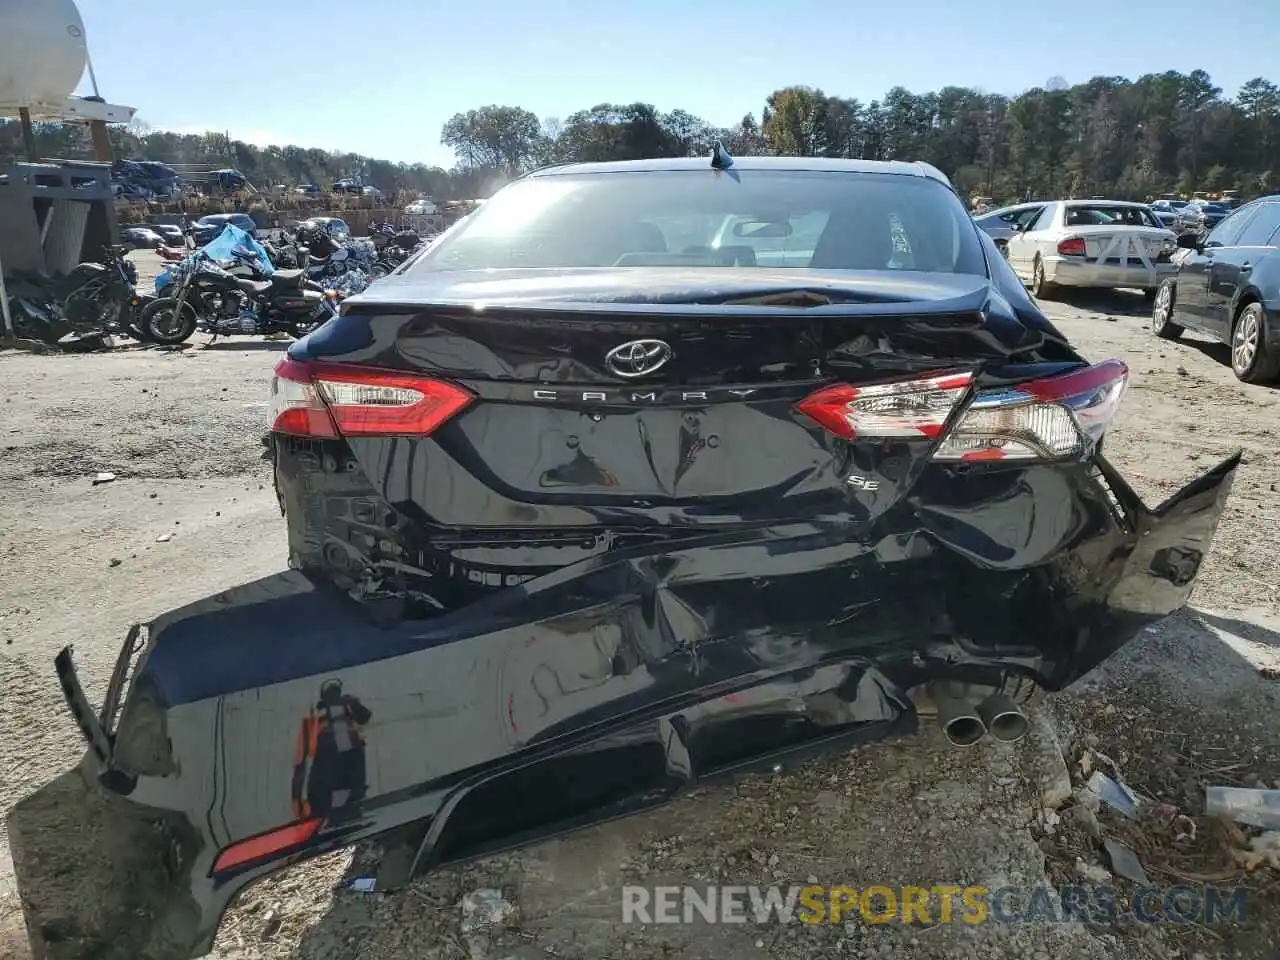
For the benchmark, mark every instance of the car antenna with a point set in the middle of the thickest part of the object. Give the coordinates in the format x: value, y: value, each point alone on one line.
x: 720, y: 157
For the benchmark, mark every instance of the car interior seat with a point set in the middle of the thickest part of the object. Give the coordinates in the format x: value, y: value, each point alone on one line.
x: 854, y: 241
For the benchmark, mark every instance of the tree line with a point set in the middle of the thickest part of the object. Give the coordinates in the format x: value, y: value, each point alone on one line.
x: 1133, y: 139
x: 1128, y: 139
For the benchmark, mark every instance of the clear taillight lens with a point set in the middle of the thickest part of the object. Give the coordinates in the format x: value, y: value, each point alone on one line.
x: 1046, y: 419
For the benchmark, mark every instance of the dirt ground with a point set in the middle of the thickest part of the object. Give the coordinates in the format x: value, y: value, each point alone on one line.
x: 1193, y: 701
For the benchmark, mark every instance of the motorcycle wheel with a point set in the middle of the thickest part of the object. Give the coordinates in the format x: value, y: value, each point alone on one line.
x: 162, y: 323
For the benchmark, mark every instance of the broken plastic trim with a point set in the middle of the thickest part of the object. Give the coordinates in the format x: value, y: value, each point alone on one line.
x: 88, y: 722
x: 134, y: 642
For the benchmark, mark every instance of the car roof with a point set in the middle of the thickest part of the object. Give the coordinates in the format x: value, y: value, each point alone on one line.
x: 1014, y: 206
x: 1109, y: 203
x: 808, y: 164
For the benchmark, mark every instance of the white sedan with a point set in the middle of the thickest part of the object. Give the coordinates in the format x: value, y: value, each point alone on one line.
x: 1092, y: 243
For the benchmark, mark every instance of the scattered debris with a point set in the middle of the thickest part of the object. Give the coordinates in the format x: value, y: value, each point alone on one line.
x: 1049, y: 820
x: 1114, y: 794
x: 1093, y: 873
x: 1048, y: 767
x: 1264, y: 848
x: 1084, y: 810
x: 362, y: 884
x: 483, y: 908
x: 1184, y: 829
x: 1093, y: 757
x: 103, y: 478
x: 271, y: 924
x: 1124, y: 862
x: 113, y: 562
x: 85, y: 343
x: 164, y: 538
x: 1254, y: 808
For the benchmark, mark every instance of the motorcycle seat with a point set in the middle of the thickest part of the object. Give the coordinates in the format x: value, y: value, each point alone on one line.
x: 282, y: 278
x: 254, y: 286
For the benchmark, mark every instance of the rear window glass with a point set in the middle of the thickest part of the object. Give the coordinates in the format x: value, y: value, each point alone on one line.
x: 759, y: 219
x: 1098, y: 215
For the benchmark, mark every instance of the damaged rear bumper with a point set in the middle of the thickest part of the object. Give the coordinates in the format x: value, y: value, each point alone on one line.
x: 277, y: 721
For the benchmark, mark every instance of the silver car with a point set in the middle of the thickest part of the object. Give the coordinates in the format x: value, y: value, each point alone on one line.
x: 1004, y: 223
x: 1092, y: 243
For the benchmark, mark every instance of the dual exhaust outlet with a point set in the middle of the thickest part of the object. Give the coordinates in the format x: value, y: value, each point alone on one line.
x: 965, y: 723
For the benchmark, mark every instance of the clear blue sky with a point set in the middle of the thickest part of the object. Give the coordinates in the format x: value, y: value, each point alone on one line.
x: 381, y: 77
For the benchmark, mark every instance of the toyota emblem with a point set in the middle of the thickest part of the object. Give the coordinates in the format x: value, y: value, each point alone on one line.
x: 637, y: 358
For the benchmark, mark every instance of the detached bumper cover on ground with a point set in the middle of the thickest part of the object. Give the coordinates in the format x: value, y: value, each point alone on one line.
x: 584, y: 694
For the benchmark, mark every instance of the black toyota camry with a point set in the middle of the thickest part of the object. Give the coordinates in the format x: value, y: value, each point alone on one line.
x: 645, y: 474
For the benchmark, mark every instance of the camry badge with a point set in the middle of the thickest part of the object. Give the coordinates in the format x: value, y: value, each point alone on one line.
x: 637, y: 358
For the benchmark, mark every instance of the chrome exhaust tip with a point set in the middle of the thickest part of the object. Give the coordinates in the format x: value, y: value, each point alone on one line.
x: 960, y: 721
x: 1003, y: 718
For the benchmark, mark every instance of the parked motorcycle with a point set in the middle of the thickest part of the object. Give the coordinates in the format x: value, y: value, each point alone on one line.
x: 210, y: 297
x: 287, y: 253
x: 105, y: 295
x: 94, y: 298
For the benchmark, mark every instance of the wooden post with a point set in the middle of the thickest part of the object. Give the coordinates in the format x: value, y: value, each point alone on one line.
x: 102, y: 151
x: 28, y: 135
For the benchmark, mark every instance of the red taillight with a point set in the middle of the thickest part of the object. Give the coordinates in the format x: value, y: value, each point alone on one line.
x: 330, y: 400
x: 907, y: 408
x: 1071, y: 247
x: 1043, y: 419
x: 273, y: 842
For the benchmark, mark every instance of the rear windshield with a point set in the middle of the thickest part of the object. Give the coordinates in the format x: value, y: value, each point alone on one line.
x: 1096, y: 215
x: 748, y: 218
